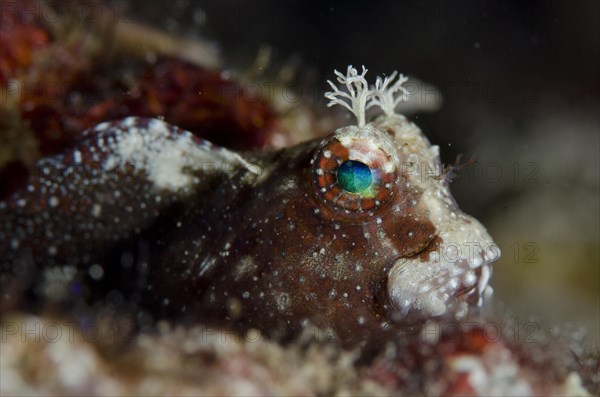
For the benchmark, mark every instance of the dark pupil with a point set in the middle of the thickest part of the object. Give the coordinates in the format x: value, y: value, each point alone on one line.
x: 354, y: 176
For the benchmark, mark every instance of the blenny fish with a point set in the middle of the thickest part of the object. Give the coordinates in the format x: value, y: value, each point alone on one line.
x: 351, y: 233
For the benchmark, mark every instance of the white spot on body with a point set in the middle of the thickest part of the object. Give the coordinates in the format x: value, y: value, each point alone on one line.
x: 283, y: 301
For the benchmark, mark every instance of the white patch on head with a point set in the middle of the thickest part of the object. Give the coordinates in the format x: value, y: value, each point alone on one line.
x: 348, y: 141
x: 368, y: 145
x: 429, y: 286
x: 166, y: 156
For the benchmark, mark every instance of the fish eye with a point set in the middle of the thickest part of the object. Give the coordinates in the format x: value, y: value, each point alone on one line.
x: 353, y: 175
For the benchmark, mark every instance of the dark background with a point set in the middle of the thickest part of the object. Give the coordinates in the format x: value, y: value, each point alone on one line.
x: 521, y: 88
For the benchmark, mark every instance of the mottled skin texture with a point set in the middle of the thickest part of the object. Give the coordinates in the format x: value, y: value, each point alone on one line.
x: 249, y: 240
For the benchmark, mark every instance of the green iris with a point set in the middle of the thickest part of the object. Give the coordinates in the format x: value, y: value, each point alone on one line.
x: 355, y: 177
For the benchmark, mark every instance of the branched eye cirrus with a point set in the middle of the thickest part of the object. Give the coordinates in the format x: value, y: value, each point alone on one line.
x: 354, y: 175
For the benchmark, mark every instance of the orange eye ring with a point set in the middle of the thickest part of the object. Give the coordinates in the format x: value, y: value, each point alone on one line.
x: 326, y: 178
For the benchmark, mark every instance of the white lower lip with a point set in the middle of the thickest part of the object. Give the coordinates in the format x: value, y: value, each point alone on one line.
x: 406, y: 297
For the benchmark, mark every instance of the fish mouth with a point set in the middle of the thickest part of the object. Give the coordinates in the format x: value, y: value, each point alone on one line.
x: 449, y: 280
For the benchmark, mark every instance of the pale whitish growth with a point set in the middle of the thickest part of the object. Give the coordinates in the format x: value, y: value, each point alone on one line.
x: 388, y: 96
x: 167, y: 158
x: 358, y: 94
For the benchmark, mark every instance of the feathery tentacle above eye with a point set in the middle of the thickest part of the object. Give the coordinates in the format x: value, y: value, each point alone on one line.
x: 385, y: 94
x: 358, y: 93
x: 387, y: 97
